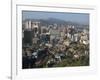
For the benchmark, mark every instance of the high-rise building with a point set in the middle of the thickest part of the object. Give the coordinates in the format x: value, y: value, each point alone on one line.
x: 27, y: 25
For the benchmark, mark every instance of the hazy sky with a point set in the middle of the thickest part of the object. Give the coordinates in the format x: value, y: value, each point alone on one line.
x: 74, y: 17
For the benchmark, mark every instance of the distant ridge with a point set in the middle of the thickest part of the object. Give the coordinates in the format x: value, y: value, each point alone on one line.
x: 51, y: 21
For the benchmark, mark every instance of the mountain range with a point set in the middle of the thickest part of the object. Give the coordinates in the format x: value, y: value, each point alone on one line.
x: 51, y: 21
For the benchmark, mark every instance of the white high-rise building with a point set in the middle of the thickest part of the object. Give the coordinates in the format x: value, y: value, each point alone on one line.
x: 28, y: 25
x: 35, y: 24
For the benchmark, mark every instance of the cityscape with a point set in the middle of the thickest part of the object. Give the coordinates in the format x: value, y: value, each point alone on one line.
x: 54, y: 39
